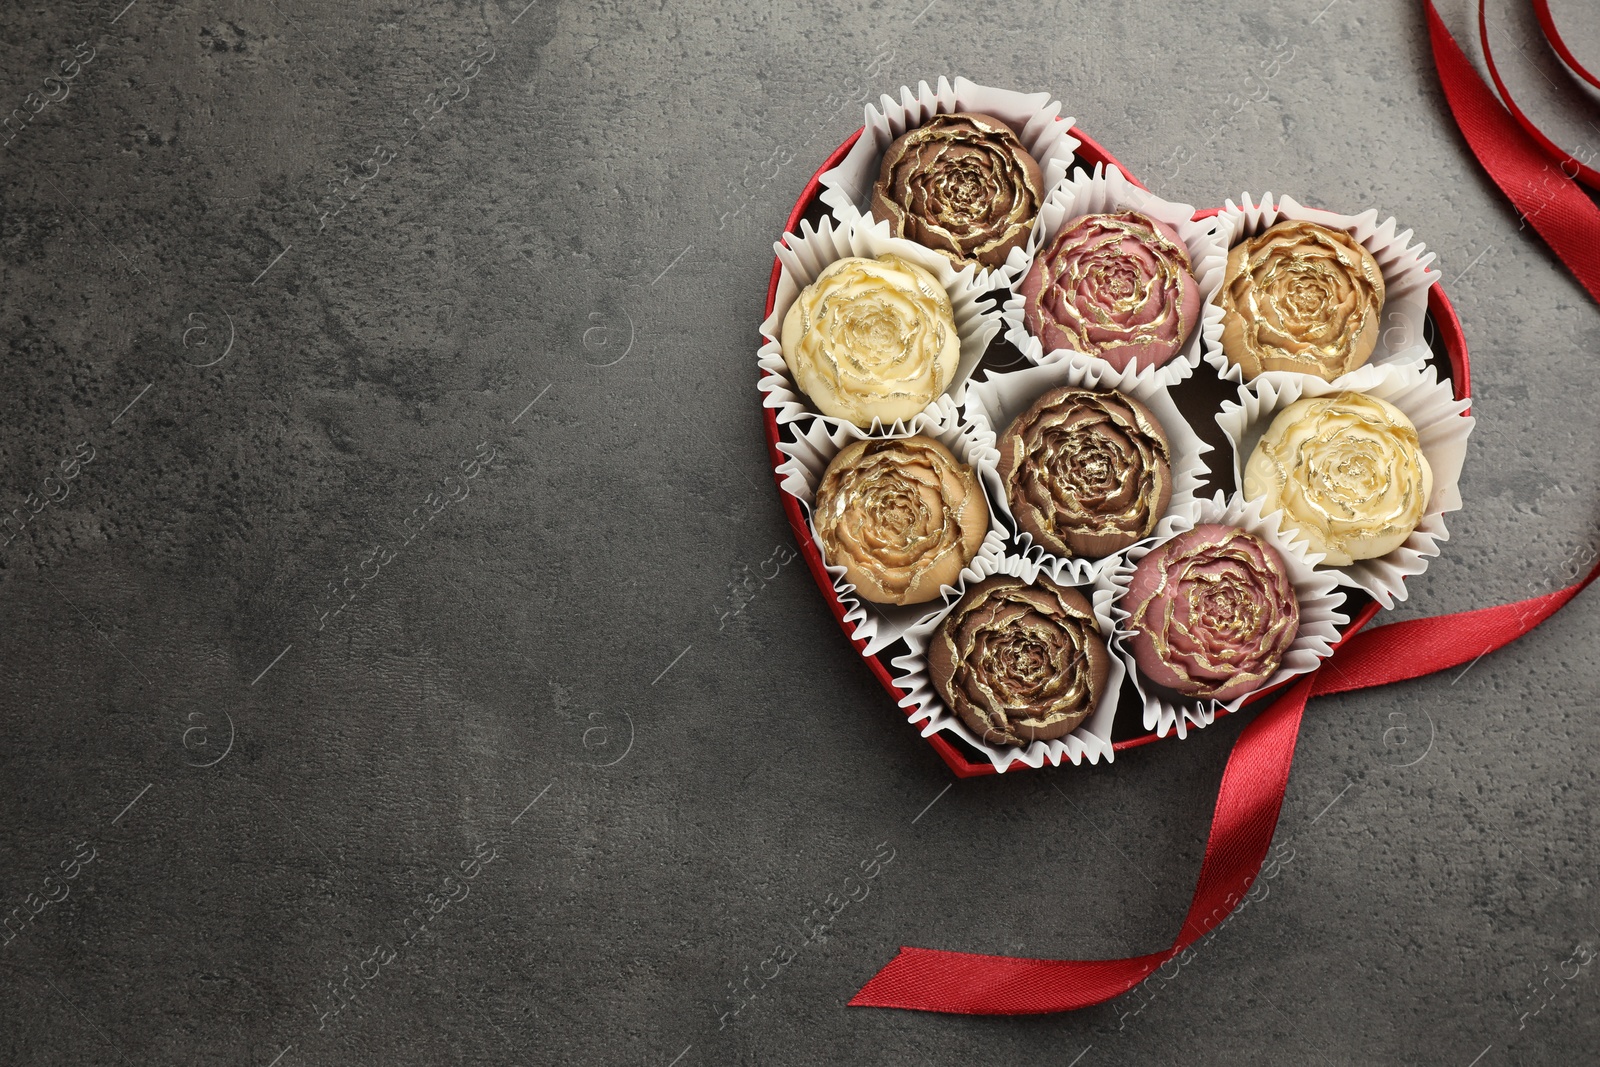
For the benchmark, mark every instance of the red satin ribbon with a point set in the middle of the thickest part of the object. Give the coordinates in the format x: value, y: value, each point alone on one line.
x: 1562, y: 213
x: 1253, y: 787
x: 1587, y: 175
x: 1257, y: 773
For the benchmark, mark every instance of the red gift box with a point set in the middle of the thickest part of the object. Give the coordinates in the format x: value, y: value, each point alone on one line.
x: 1450, y: 355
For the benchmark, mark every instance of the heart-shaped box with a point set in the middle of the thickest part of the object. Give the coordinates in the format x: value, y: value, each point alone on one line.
x: 1449, y: 356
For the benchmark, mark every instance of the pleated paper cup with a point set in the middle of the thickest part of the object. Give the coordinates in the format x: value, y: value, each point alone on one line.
x: 806, y: 461
x: 1034, y: 117
x: 1090, y: 741
x: 996, y: 401
x: 805, y: 256
x: 1317, y: 592
x: 1108, y: 190
x: 1443, y: 427
x: 1406, y: 275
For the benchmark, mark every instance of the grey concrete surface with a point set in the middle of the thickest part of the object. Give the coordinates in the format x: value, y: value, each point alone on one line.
x: 248, y: 795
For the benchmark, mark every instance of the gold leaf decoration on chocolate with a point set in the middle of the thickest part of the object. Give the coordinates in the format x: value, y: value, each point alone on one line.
x: 901, y: 516
x: 872, y: 338
x: 1086, y: 473
x: 1018, y: 662
x: 1117, y: 286
x: 1301, y: 297
x: 1213, y: 613
x: 961, y: 184
x: 1348, y: 472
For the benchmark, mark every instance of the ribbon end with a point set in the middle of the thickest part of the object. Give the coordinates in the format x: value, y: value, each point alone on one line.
x: 878, y: 992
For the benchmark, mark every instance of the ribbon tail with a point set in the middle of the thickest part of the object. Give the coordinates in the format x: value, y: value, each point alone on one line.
x: 1411, y: 649
x: 964, y: 983
x: 1253, y: 786
x: 1246, y: 816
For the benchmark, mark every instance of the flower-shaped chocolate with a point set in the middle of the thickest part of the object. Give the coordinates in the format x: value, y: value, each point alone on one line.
x: 960, y: 184
x: 1300, y: 297
x: 901, y: 516
x: 1212, y: 613
x: 1116, y: 286
x: 1086, y: 473
x: 1019, y: 662
x: 1348, y: 473
x: 872, y: 339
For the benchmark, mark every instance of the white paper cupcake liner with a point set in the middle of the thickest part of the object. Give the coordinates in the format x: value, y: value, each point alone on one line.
x: 805, y: 256
x: 994, y: 402
x: 880, y: 625
x: 1091, y: 740
x: 1443, y: 427
x: 1317, y: 591
x: 847, y: 188
x: 1107, y: 190
x: 1406, y: 277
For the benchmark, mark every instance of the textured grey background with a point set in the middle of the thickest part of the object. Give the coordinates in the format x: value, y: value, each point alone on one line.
x: 568, y: 265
